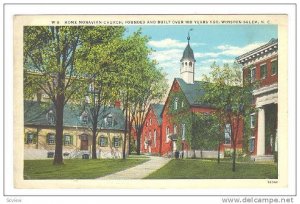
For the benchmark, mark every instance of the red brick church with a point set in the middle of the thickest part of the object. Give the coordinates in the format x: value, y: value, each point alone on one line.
x: 160, y: 132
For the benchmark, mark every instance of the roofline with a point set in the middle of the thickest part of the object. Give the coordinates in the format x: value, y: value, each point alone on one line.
x: 67, y: 126
x: 175, y: 79
x: 271, y: 43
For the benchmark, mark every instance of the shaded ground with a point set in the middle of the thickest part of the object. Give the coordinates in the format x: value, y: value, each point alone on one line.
x: 77, y: 168
x: 210, y: 169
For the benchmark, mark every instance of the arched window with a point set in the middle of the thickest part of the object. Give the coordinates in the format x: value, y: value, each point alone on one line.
x: 190, y: 64
x: 185, y: 63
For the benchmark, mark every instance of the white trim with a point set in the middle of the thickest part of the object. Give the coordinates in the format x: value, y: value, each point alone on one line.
x: 265, y: 89
x: 267, y: 99
x: 257, y: 60
x: 259, y: 52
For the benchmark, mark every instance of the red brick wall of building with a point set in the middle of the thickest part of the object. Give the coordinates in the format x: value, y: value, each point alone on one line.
x: 151, y: 127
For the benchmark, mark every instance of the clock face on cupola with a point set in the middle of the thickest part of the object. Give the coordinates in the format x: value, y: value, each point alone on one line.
x: 187, y: 69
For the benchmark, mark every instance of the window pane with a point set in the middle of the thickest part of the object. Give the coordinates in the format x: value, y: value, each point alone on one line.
x: 51, y: 139
x: 116, y: 142
x: 109, y: 122
x: 251, y: 145
x: 227, y: 134
x: 30, y: 138
x: 103, y: 141
x: 263, y: 71
x: 252, y: 121
x: 253, y: 74
x: 67, y: 140
x: 274, y: 66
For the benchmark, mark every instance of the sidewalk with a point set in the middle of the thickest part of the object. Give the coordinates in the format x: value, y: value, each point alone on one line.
x: 139, y: 171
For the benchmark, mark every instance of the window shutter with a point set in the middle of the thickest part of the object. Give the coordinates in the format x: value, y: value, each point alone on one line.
x: 71, y: 140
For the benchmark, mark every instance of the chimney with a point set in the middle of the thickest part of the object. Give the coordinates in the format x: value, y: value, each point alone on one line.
x: 117, y: 104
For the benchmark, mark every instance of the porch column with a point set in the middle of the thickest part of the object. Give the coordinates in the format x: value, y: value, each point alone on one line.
x: 261, y: 132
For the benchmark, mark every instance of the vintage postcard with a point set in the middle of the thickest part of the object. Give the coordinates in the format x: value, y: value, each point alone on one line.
x: 150, y: 101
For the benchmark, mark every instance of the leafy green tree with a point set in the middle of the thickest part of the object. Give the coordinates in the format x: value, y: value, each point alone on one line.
x: 98, y: 56
x: 231, y: 96
x: 50, y: 53
x: 141, y: 83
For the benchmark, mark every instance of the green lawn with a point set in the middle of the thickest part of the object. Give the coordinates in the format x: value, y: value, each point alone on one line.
x: 77, y: 168
x: 210, y: 169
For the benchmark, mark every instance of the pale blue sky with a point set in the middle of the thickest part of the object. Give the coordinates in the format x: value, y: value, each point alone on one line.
x: 220, y: 43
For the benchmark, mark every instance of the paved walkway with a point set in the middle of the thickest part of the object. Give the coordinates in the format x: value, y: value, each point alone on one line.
x: 139, y: 171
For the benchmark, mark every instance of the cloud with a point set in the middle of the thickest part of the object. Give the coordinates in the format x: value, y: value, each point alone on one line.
x: 167, y: 43
x: 229, y: 50
x: 236, y: 51
x: 206, y: 54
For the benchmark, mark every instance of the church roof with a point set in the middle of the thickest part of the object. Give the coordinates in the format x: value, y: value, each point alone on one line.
x: 158, y: 108
x: 188, y: 54
x: 35, y: 113
x: 193, y: 92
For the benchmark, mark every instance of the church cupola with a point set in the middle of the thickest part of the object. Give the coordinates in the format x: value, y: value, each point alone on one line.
x: 187, y: 69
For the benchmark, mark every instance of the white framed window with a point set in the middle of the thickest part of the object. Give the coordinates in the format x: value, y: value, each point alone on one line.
x: 103, y: 141
x: 30, y: 138
x: 68, y: 139
x: 167, y: 134
x: 84, y: 118
x: 274, y: 67
x: 175, y: 129
x: 253, y: 74
x: 109, y: 121
x: 116, y: 141
x: 182, y: 131
x: 150, y: 121
x: 227, y: 134
x: 51, y: 117
x: 252, y: 120
x: 263, y: 71
x: 175, y: 103
x: 154, y: 138
x: 182, y: 104
x: 251, y: 144
x: 51, y: 138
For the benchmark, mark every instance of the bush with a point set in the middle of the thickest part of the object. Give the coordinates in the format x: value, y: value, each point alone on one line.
x: 229, y: 152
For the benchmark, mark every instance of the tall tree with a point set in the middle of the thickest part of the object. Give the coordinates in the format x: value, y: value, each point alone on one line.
x: 51, y: 53
x: 142, y: 83
x: 231, y: 96
x: 98, y: 57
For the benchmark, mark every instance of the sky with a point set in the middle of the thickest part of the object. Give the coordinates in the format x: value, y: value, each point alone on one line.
x: 220, y: 43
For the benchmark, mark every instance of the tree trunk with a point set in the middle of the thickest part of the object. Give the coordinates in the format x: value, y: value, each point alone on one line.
x: 94, y: 144
x: 219, y: 149
x: 138, y: 139
x: 125, y: 130
x: 58, y: 158
x: 233, y: 158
